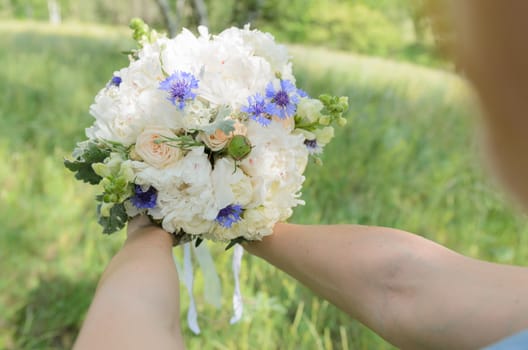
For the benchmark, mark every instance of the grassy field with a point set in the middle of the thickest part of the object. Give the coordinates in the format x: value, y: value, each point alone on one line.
x: 407, y: 159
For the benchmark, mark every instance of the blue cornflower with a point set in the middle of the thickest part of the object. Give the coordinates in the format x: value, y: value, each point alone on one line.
x: 144, y: 199
x: 229, y: 215
x: 312, y: 146
x: 257, y: 109
x: 116, y: 81
x: 180, y: 85
x: 302, y: 93
x: 284, y: 101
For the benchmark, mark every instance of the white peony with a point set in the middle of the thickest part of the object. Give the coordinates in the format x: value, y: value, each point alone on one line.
x: 231, y: 185
x: 276, y: 165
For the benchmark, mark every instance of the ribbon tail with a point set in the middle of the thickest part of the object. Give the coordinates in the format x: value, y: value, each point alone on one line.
x: 238, y: 306
x: 212, y: 286
x: 188, y: 280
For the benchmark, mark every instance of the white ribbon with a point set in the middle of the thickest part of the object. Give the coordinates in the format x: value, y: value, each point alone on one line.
x: 212, y: 286
x: 188, y: 280
x: 213, y: 291
x: 238, y: 306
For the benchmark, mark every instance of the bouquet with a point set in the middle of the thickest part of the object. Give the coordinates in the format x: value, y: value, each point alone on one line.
x: 208, y: 135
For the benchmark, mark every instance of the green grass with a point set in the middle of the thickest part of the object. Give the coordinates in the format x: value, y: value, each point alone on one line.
x: 407, y: 159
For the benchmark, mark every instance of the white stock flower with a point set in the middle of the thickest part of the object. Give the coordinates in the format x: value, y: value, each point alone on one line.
x: 324, y: 135
x: 197, y: 114
x: 309, y: 109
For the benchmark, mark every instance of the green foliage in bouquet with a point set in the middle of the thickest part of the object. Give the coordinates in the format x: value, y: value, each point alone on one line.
x: 102, y: 163
x: 115, y: 220
x: 85, y: 155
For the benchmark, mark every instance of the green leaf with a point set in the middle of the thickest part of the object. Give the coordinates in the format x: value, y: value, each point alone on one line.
x: 234, y: 241
x: 116, y: 221
x: 82, y: 165
x: 223, y: 112
x: 226, y: 125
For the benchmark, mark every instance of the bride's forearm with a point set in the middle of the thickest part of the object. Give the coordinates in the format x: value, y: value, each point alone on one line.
x: 413, y: 292
x: 136, y: 305
x: 361, y: 269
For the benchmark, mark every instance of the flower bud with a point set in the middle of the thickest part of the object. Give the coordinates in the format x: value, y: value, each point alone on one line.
x: 324, y: 120
x: 239, y: 147
x: 101, y: 169
x: 341, y: 121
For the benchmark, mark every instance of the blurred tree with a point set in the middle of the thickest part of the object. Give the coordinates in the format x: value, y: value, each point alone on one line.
x: 54, y: 12
x: 170, y: 20
x: 394, y: 28
x: 201, y: 12
x: 247, y: 11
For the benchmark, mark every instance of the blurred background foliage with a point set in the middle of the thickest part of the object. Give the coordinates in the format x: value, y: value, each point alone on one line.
x: 409, y: 158
x: 400, y: 29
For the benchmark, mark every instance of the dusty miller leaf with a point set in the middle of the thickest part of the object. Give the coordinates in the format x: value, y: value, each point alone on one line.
x: 116, y: 221
x: 221, y: 123
x: 82, y: 165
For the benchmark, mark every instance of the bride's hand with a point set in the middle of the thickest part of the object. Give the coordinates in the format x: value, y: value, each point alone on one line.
x: 142, y: 226
x: 138, y: 224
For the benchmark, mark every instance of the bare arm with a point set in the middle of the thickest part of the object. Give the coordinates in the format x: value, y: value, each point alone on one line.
x: 136, y: 305
x: 413, y: 292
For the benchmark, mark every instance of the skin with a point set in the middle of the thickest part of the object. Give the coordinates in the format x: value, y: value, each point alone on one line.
x: 413, y: 292
x: 136, y: 305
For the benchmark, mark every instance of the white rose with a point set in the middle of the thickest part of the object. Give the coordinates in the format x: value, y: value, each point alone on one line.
x: 159, y: 155
x: 219, y: 140
x: 215, y: 141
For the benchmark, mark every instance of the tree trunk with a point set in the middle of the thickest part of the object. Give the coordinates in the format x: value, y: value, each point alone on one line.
x: 201, y: 9
x: 180, y: 11
x: 170, y: 22
x: 54, y: 12
x: 254, y: 11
